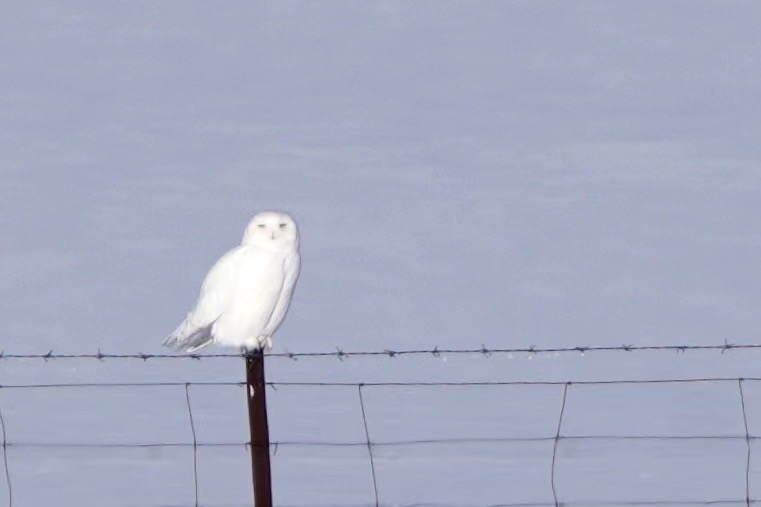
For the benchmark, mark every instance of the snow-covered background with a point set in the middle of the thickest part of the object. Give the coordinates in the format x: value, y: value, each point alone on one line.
x: 507, y: 173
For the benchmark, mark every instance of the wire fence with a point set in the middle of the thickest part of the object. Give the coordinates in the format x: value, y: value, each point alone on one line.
x: 434, y: 352
x: 558, y: 437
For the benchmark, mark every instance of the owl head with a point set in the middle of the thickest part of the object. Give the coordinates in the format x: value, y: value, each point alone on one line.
x: 273, y: 229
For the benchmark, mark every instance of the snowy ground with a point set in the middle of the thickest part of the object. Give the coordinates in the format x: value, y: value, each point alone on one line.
x: 504, y: 173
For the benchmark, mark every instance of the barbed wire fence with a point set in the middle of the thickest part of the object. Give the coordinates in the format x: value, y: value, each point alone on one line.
x: 557, y: 437
x: 434, y: 352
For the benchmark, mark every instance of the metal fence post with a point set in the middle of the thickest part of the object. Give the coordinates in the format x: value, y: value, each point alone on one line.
x: 260, y: 436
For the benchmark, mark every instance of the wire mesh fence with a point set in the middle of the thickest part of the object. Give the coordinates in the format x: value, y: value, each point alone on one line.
x: 562, y: 433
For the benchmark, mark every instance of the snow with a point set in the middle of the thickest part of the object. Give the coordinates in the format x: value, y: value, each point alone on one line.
x: 463, y: 173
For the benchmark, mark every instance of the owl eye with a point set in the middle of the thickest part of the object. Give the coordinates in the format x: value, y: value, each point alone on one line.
x: 261, y: 226
x: 283, y: 226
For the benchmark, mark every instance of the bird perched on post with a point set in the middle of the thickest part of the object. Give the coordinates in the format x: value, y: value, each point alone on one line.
x: 246, y: 294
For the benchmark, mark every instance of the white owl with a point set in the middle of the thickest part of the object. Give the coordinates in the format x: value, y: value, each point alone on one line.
x: 246, y: 294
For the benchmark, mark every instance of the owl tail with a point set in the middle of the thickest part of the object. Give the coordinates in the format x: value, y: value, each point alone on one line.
x: 189, y: 337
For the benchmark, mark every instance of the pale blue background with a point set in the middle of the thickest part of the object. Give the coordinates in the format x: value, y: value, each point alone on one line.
x: 504, y: 173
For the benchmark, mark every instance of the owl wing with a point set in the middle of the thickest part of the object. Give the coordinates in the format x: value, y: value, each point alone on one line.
x: 217, y: 289
x: 291, y: 271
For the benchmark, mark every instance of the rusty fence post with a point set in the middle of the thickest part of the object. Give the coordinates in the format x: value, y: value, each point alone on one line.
x: 260, y: 435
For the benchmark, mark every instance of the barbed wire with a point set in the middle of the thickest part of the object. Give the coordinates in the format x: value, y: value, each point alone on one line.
x: 434, y: 352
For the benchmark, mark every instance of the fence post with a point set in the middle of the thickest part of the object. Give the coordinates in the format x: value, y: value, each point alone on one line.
x: 260, y: 435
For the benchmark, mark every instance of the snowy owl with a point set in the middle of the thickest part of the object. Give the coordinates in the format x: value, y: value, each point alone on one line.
x: 246, y: 294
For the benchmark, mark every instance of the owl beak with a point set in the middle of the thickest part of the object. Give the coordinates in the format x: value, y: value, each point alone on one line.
x: 272, y: 235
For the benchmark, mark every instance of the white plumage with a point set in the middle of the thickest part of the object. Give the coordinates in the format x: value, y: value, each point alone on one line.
x: 246, y: 294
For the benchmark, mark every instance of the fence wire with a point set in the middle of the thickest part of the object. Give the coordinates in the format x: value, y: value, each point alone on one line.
x: 555, y: 445
x: 370, y: 444
x: 341, y: 354
x: 195, y: 443
x: 5, y: 460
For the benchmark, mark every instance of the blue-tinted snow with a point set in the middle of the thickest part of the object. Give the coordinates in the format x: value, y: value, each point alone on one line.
x: 503, y: 173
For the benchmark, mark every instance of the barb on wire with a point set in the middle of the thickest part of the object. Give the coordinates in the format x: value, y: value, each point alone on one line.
x: 341, y: 354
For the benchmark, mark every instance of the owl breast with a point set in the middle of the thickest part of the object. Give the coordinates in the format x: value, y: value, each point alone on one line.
x: 258, y: 287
